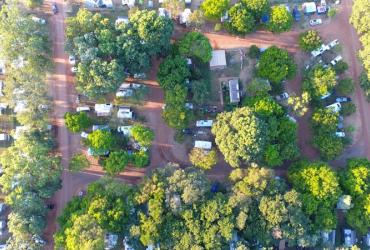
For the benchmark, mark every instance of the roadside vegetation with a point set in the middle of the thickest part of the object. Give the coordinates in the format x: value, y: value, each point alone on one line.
x: 31, y: 173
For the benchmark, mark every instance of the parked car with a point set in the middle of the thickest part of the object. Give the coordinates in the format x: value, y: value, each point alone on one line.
x: 282, y: 96
x: 333, y: 43
x: 74, y: 69
x: 4, y: 137
x: 187, y: 131
x: 325, y: 96
x: 38, y: 20
x: 54, y: 8
x: 72, y: 60
x: 340, y: 134
x: 84, y: 135
x: 314, y: 22
x: 336, y: 60
x: 343, y: 99
x: 2, y: 224
x: 335, y: 107
x: 83, y: 108
x: 124, y: 93
x: 139, y: 75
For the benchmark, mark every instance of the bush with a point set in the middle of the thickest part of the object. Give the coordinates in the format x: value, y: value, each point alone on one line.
x: 218, y: 27
x: 213, y: 9
x: 78, y: 162
x: 76, y: 122
x: 140, y: 158
x: 116, y: 162
x: 179, y: 136
x: 345, y: 86
x: 309, y: 40
x: 365, y: 85
x: 340, y: 67
x: 241, y: 21
x: 348, y: 108
x: 332, y: 12
x: 254, y: 52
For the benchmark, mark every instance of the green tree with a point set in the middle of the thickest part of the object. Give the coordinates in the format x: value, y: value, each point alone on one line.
x: 241, y: 21
x: 203, y: 159
x: 348, y: 108
x: 254, y: 52
x: 280, y: 19
x: 195, y: 45
x: 365, y: 85
x: 355, y: 177
x: 309, y: 40
x: 143, y: 135
x: 173, y: 71
x: 174, y: 7
x: 257, y: 7
x: 99, y: 77
x: 176, y: 116
x: 100, y: 140
x: 345, y: 86
x: 33, y: 3
x: 201, y: 91
x: 276, y: 65
x: 76, y: 122
x: 319, y: 81
x: 116, y: 162
x: 299, y: 104
x: 258, y: 87
x: 320, y: 190
x: 214, y: 9
x: 240, y: 136
x: 330, y: 146
x: 84, y: 234
x: 358, y: 216
x: 325, y: 119
x: 78, y: 162
x: 340, y: 67
x: 140, y: 158
x: 196, y: 19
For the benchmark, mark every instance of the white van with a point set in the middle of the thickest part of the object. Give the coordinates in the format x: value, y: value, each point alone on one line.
x: 83, y: 108
x: 335, y: 107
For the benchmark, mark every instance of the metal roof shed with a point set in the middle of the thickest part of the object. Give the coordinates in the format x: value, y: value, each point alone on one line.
x: 234, y: 91
x: 218, y: 60
x: 103, y: 109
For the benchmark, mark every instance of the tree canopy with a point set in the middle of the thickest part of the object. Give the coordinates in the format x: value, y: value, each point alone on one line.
x: 143, y: 135
x: 100, y: 140
x: 203, y: 159
x: 276, y: 65
x: 214, y: 9
x: 173, y: 71
x: 320, y: 190
x: 309, y: 40
x: 280, y: 19
x: 241, y: 21
x: 76, y: 122
x: 319, y: 81
x: 195, y: 45
x: 257, y: 7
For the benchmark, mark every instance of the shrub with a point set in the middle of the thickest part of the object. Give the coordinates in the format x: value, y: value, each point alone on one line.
x: 203, y: 159
x: 218, y: 27
x: 348, y: 108
x: 345, y: 86
x: 340, y: 67
x: 280, y: 19
x: 365, y: 85
x: 78, y: 162
x: 332, y: 12
x: 140, y: 158
x: 254, y: 52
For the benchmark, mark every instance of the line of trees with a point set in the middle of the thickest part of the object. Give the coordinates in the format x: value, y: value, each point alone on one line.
x: 178, y: 208
x: 31, y: 173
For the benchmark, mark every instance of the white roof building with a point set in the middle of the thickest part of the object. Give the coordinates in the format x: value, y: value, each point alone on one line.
x: 207, y: 145
x: 125, y: 113
x: 103, y: 109
x: 204, y: 123
x: 218, y: 59
x: 309, y: 7
x: 234, y: 91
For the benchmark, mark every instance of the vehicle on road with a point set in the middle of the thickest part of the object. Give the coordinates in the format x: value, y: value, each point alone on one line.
x: 54, y: 8
x: 124, y: 93
x: 314, y: 22
x: 335, y: 107
x: 139, y: 75
x: 343, y: 99
x: 72, y: 60
x: 336, y: 60
x: 282, y: 96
